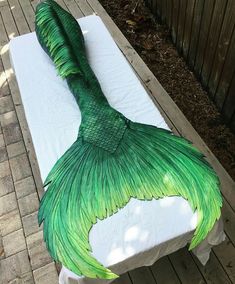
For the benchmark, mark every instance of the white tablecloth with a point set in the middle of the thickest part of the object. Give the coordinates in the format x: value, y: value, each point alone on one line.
x: 143, y: 231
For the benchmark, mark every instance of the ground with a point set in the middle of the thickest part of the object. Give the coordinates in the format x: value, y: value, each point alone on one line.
x: 153, y: 42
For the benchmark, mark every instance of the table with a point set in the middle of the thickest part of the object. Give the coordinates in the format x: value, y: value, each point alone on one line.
x: 142, y: 231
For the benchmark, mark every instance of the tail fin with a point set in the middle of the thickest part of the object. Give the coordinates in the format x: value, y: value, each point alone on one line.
x: 88, y: 183
x: 70, y: 207
x: 184, y: 172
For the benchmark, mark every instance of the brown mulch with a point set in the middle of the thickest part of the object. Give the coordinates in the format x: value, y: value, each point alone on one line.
x: 153, y: 43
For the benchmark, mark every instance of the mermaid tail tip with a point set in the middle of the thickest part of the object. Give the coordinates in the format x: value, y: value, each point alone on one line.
x: 88, y: 183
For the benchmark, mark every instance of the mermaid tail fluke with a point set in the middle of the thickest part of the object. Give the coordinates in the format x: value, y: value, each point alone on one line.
x: 68, y: 216
x: 112, y: 160
x: 88, y: 183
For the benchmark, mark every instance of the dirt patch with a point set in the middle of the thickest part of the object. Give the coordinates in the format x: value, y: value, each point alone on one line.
x: 153, y: 43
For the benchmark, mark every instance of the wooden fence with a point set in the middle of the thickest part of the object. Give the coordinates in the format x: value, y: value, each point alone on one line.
x: 203, y: 32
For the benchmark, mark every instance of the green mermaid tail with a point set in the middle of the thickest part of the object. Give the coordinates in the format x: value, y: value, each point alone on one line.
x: 112, y: 160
